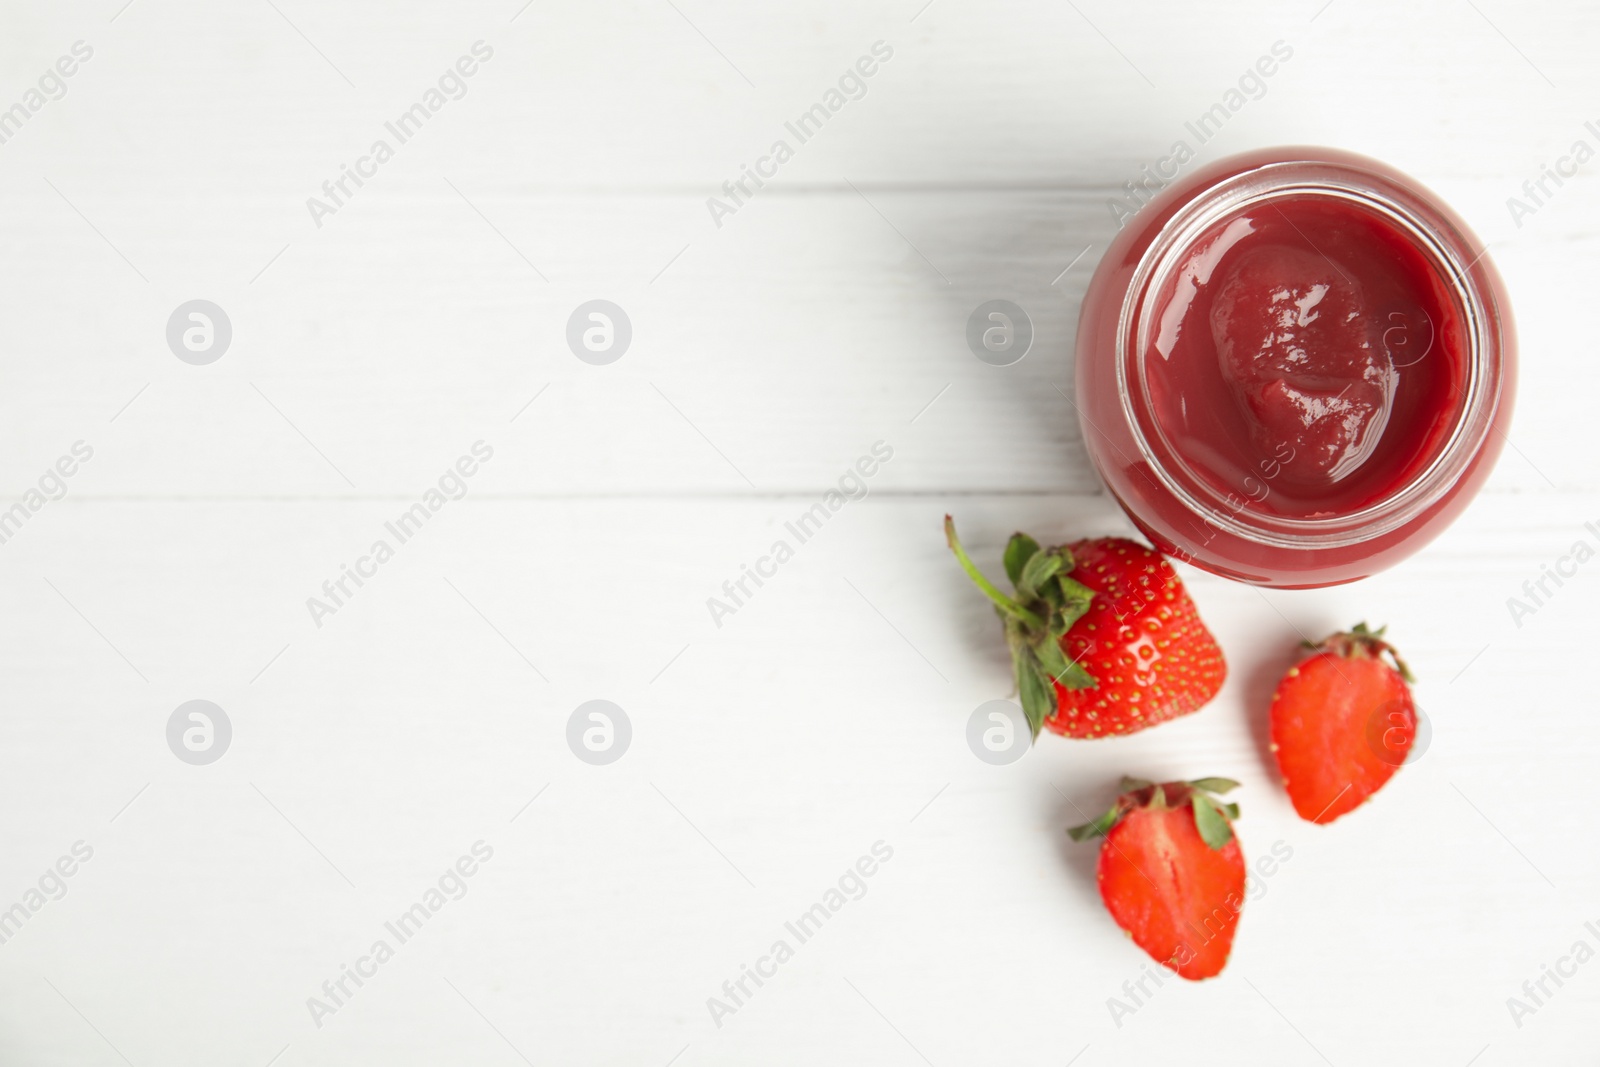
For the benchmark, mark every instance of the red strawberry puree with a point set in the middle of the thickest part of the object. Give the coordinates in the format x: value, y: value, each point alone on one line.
x: 1295, y: 367
x: 1308, y: 348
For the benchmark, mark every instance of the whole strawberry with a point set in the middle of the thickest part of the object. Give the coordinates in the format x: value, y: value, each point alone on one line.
x: 1343, y: 721
x: 1104, y: 638
x: 1171, y: 872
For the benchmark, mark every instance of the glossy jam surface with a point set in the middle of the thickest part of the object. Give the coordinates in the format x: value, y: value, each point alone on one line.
x: 1305, y: 359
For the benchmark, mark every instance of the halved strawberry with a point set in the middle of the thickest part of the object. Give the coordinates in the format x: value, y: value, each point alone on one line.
x: 1104, y: 638
x: 1343, y: 721
x: 1171, y: 872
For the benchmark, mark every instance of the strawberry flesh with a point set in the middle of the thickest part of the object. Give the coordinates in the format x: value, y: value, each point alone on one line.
x: 1178, y: 898
x: 1342, y: 724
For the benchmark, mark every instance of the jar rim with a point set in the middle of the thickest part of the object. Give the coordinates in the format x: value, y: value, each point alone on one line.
x: 1440, y: 240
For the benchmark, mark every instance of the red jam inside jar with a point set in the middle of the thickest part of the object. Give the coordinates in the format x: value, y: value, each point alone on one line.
x: 1294, y: 367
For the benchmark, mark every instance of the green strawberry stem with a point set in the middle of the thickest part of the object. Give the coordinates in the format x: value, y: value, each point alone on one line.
x: 1001, y: 601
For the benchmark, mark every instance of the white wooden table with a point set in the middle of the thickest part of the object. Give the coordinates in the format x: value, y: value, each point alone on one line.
x: 429, y: 711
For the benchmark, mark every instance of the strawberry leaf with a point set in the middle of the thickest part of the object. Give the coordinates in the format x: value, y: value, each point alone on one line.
x: 1076, y: 597
x: 1075, y: 677
x: 1100, y: 827
x: 1065, y: 672
x: 1019, y: 551
x: 1040, y: 568
x: 1131, y: 784
x: 1033, y: 686
x: 1215, y: 785
x: 1051, y: 658
x: 1211, y: 822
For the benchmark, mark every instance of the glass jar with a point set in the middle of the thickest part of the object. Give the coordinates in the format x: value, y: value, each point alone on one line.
x: 1215, y: 332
